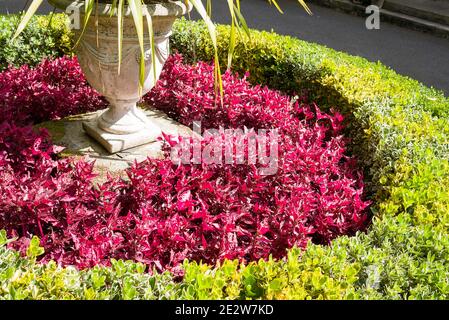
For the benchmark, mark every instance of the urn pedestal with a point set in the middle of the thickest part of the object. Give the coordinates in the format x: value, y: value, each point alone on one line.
x: 123, y: 125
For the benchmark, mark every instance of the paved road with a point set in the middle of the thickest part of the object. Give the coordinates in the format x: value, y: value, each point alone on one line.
x: 413, y: 53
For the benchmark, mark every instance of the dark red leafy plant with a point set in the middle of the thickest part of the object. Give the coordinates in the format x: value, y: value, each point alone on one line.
x: 166, y: 212
x: 54, y: 89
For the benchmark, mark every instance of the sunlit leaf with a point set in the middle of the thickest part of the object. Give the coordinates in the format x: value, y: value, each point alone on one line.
x: 137, y: 13
x: 209, y: 8
x: 305, y: 6
x: 152, y: 42
x: 120, y: 10
x: 232, y: 34
x: 276, y: 5
x: 88, y: 7
x: 28, y: 15
x: 213, y: 35
x: 242, y: 20
x: 113, y: 8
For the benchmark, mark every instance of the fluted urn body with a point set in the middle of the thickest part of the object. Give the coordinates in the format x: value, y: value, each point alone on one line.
x: 123, y: 125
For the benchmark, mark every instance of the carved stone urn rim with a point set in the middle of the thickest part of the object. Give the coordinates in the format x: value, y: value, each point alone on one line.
x: 160, y: 9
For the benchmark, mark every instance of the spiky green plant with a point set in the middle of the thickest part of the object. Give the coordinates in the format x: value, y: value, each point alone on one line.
x: 138, y: 11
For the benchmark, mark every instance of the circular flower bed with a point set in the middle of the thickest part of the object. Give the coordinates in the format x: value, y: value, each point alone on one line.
x: 165, y: 212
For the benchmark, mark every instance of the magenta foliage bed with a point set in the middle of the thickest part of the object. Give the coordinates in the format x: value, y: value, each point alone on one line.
x: 166, y: 213
x: 52, y: 90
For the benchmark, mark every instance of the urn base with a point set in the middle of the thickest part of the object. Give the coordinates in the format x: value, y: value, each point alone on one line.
x: 114, y: 143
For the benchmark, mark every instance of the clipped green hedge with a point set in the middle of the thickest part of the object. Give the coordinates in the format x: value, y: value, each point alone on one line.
x: 42, y: 38
x: 23, y: 278
x: 400, y: 132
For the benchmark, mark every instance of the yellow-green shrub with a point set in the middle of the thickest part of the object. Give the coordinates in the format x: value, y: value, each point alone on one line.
x: 44, y: 37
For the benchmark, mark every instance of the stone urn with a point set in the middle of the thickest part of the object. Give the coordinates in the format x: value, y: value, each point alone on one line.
x: 123, y: 125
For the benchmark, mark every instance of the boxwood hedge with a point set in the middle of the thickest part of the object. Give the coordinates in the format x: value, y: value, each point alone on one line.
x: 44, y: 37
x: 400, y: 132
